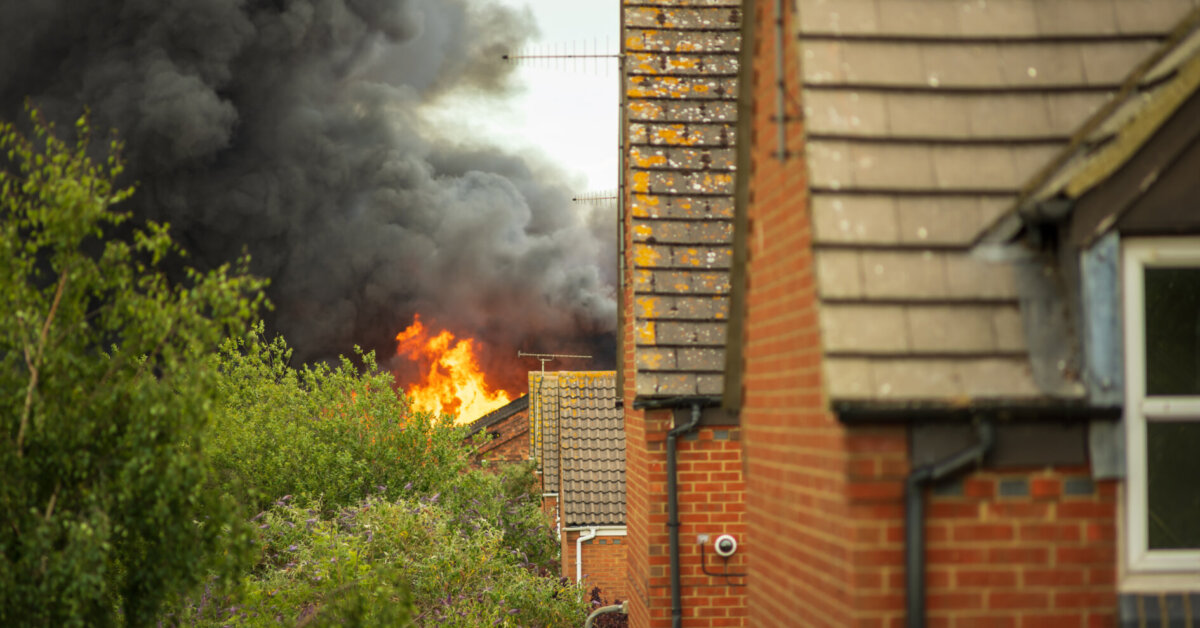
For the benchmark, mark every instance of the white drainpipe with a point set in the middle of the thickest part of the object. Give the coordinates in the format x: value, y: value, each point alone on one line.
x: 589, y: 533
x: 587, y: 536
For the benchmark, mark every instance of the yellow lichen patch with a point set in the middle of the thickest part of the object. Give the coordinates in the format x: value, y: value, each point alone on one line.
x: 643, y: 279
x: 645, y: 333
x: 642, y: 232
x: 686, y: 63
x: 641, y: 182
x: 649, y: 161
x: 645, y: 109
x: 691, y: 257
x: 645, y: 306
x: 685, y: 205
x: 674, y: 134
x: 647, y: 68
x: 642, y: 203
x: 645, y: 256
x: 700, y: 87
x: 683, y: 287
x: 686, y: 46
x: 651, y: 360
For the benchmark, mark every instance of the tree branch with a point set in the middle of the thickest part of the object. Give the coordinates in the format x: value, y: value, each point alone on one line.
x: 35, y: 363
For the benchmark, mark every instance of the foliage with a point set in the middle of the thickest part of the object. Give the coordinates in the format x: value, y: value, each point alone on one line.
x: 304, y: 447
x: 334, y: 433
x: 357, y: 567
x: 106, y: 507
x: 509, y: 501
x: 607, y: 620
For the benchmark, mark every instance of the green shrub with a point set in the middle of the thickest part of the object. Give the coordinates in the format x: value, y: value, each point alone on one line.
x: 387, y: 563
x: 106, y: 501
x: 331, y: 433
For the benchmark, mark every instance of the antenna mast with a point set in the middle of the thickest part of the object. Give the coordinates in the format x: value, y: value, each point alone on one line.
x: 547, y: 357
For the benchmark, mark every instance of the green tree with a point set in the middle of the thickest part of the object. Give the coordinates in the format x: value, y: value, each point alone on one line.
x: 107, y: 509
x: 334, y: 433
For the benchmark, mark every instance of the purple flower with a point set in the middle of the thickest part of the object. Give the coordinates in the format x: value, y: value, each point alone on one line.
x: 264, y: 526
x: 259, y: 516
x: 408, y: 487
x: 292, y: 548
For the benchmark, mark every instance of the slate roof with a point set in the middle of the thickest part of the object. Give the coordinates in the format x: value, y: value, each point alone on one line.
x: 924, y: 119
x: 680, y: 82
x: 589, y: 461
x: 1155, y: 92
x: 544, y: 426
x: 495, y: 416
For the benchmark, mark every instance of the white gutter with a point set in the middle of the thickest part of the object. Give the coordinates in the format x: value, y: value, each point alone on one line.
x: 589, y: 533
x: 587, y: 536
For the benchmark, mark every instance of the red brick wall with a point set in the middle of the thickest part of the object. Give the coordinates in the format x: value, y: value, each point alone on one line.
x: 1003, y: 548
x: 824, y: 505
x: 637, y: 498
x: 711, y: 501
x: 603, y: 564
x: 511, y: 442
x: 796, y: 508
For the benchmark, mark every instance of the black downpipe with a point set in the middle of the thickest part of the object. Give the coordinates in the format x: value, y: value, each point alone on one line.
x: 673, y: 514
x: 914, y: 517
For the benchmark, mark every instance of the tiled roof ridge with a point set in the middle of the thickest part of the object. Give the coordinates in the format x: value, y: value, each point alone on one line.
x: 499, y: 414
x: 1002, y: 228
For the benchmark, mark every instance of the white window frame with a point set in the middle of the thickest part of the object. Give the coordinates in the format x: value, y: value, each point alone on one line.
x: 1137, y: 255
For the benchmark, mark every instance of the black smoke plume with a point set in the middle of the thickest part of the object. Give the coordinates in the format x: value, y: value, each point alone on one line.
x: 293, y: 129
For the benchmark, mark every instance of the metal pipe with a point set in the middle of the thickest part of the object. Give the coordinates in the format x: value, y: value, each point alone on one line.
x: 780, y: 82
x: 623, y: 608
x: 914, y: 517
x: 591, y: 534
x: 673, y: 513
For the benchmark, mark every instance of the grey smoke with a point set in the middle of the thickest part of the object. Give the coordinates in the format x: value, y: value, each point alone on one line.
x: 292, y: 129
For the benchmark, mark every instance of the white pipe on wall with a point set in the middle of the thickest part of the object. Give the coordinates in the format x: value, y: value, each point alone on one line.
x: 590, y: 532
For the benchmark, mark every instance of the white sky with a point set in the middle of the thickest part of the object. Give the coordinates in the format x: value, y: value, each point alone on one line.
x: 564, y: 109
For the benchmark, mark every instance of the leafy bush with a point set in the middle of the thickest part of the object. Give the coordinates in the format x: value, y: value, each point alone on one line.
x: 106, y: 503
x: 321, y: 432
x: 607, y: 620
x: 387, y: 563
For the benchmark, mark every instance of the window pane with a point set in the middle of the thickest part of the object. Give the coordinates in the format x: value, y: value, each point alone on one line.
x: 1174, y: 476
x: 1172, y: 331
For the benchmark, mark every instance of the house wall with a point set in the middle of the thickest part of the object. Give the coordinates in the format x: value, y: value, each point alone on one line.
x: 679, y: 86
x: 510, y: 443
x: 797, y: 511
x: 637, y: 494
x: 711, y: 501
x: 603, y: 564
x: 1020, y: 547
x: 825, y: 502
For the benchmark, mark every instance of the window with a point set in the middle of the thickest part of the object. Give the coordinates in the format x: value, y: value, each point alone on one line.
x: 1162, y: 404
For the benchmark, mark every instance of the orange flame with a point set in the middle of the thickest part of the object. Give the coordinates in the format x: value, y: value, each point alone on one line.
x: 451, y: 381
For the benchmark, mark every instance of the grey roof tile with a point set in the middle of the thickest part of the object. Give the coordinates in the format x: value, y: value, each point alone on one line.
x: 680, y: 85
x: 925, y: 120
x: 590, y: 448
